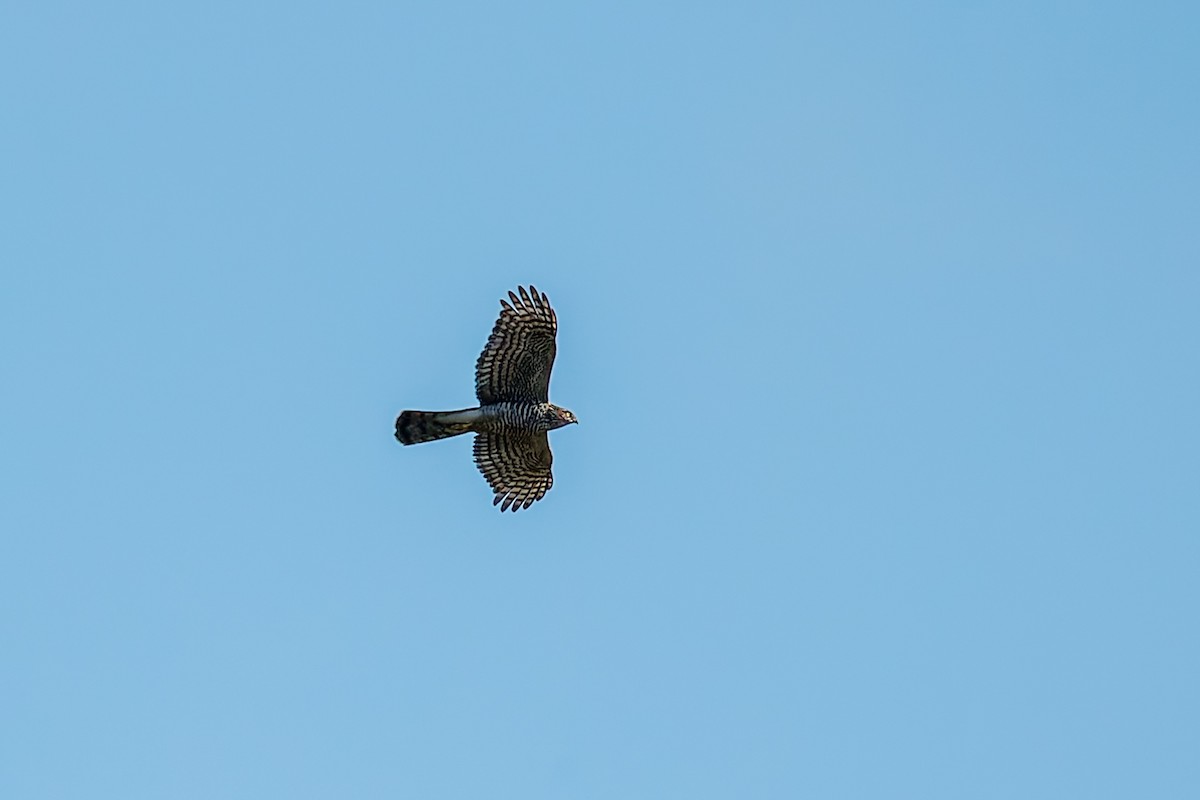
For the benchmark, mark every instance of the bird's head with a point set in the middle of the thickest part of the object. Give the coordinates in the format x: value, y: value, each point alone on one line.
x: 558, y: 417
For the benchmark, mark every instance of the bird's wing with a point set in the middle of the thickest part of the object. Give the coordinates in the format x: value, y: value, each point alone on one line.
x: 516, y: 361
x: 516, y: 466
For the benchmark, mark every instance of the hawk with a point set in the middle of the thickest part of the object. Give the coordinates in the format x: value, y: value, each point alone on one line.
x: 512, y: 384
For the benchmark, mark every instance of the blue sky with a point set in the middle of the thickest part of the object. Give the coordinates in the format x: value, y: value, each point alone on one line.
x: 880, y: 321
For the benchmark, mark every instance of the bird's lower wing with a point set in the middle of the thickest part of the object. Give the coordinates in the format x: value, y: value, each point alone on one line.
x: 516, y: 466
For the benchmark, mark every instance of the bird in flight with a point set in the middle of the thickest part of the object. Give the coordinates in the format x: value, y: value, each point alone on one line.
x: 512, y: 384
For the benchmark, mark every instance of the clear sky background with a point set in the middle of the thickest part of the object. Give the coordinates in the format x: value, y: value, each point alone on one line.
x: 880, y: 319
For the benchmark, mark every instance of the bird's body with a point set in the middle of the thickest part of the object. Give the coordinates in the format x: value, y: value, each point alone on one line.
x: 512, y: 383
x: 414, y: 427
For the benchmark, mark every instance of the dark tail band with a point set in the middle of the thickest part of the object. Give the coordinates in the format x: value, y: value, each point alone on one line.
x: 414, y: 427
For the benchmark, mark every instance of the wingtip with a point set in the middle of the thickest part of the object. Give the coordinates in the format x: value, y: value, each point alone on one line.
x: 539, y: 299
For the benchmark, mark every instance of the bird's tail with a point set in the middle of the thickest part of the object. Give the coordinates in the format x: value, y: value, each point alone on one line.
x: 414, y: 427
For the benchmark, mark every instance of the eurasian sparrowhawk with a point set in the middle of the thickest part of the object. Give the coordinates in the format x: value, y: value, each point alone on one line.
x: 512, y: 383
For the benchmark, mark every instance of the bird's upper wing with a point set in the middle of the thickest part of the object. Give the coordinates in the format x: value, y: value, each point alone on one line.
x: 516, y: 361
x: 516, y: 466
